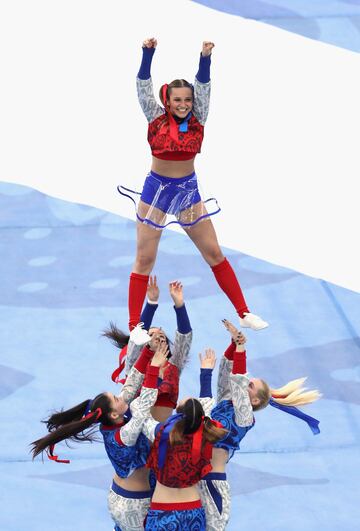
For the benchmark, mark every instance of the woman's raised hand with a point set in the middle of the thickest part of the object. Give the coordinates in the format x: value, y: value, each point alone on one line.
x: 150, y: 43
x: 160, y: 357
x: 207, y: 48
x: 176, y: 292
x: 153, y: 290
x: 231, y: 329
x: 207, y: 360
x: 236, y: 336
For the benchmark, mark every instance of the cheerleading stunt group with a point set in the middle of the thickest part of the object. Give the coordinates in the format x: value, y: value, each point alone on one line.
x: 170, y: 468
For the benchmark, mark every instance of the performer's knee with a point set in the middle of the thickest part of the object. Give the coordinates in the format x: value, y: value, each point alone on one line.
x: 214, y: 256
x: 144, y: 263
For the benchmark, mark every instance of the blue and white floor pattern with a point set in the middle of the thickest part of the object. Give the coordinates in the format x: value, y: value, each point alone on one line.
x: 65, y: 268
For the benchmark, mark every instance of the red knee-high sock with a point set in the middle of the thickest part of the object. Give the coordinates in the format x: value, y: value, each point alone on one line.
x: 137, y: 293
x: 228, y: 282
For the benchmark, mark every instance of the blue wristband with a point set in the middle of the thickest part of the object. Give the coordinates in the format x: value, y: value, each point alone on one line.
x: 148, y: 314
x: 205, y: 383
x: 182, y: 319
x: 203, y: 74
x: 144, y: 72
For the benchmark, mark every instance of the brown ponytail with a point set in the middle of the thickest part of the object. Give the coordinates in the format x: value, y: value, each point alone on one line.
x: 116, y: 336
x: 212, y: 433
x: 193, y: 417
x: 71, y: 424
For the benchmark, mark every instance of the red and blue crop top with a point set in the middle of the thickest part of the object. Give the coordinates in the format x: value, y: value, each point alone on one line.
x: 170, y: 139
x: 179, y: 469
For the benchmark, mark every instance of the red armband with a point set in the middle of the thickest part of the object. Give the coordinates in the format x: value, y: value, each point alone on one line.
x: 151, y: 378
x: 229, y: 352
x: 143, y: 360
x: 239, y: 366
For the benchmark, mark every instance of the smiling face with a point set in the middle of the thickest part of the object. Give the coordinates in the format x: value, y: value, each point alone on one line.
x: 180, y: 101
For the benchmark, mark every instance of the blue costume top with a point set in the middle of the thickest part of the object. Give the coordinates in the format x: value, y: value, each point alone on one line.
x: 224, y: 413
x: 124, y: 459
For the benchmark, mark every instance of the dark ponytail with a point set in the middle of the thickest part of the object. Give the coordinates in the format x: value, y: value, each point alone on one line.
x: 71, y: 424
x: 193, y: 417
x: 116, y: 336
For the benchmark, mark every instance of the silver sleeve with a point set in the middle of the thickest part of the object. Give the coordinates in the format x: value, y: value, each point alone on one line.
x: 181, y: 349
x: 147, y: 100
x: 223, y: 383
x: 140, y: 410
x: 201, y: 100
x: 239, y: 384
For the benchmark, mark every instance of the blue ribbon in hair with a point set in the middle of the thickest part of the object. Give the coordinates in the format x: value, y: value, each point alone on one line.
x: 312, y: 423
x: 164, y: 439
x: 88, y: 408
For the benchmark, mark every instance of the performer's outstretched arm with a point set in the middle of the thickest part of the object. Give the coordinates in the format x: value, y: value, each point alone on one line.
x: 183, y: 335
x: 147, y: 315
x: 202, y: 84
x: 144, y: 85
x: 239, y: 382
x: 207, y: 364
x: 136, y: 375
x: 141, y: 406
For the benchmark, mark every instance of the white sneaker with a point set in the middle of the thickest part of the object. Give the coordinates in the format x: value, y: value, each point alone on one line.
x: 139, y: 336
x: 250, y: 320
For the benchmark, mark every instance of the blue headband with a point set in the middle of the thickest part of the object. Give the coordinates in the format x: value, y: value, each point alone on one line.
x: 312, y: 423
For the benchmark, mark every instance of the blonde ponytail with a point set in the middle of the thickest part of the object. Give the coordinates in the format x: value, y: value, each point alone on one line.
x: 294, y: 394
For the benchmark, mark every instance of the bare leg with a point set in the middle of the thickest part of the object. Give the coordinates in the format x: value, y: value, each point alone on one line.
x: 148, y: 239
x: 204, y: 237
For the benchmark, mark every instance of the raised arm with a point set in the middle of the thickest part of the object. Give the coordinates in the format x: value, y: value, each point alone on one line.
x: 136, y: 375
x: 207, y: 364
x: 225, y: 368
x: 147, y: 315
x: 150, y: 428
x: 239, y: 382
x: 144, y: 85
x: 183, y: 335
x: 152, y: 303
x: 202, y: 84
x: 141, y: 406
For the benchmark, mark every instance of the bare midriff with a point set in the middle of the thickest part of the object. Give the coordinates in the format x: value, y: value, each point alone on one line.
x: 136, y: 482
x: 164, y: 494
x: 173, y: 168
x: 219, y: 459
x: 161, y: 413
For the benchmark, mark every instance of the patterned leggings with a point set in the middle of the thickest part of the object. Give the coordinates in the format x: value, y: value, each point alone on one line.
x: 215, y: 497
x: 128, y: 509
